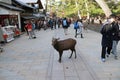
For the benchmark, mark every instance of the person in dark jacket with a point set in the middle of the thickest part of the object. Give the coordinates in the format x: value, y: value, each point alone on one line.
x: 65, y: 25
x: 51, y: 23
x: 106, y: 32
x: 116, y: 36
x: 78, y: 26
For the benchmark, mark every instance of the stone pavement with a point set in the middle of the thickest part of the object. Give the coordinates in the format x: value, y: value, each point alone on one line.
x: 36, y: 59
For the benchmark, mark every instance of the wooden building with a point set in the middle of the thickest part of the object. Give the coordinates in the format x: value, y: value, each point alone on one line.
x: 30, y: 10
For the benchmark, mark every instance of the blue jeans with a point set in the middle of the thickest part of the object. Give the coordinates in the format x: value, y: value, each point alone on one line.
x: 114, y: 47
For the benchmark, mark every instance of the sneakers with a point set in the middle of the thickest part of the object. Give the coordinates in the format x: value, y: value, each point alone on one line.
x: 34, y: 37
x: 103, y: 59
x: 75, y: 36
x: 107, y: 55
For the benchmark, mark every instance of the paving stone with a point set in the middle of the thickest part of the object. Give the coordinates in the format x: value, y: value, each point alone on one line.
x: 36, y: 59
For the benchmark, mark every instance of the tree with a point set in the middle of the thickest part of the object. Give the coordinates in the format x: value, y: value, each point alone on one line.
x: 104, y: 7
x: 114, y: 6
x: 79, y: 8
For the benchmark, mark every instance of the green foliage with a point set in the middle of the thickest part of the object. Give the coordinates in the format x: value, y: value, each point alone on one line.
x: 70, y: 9
x: 114, y: 6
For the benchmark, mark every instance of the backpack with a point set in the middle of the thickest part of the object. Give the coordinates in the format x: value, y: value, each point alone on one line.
x: 76, y: 25
x: 64, y: 23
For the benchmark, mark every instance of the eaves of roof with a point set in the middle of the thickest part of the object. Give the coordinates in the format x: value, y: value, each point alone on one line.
x: 29, y: 17
x: 11, y: 7
x: 24, y: 4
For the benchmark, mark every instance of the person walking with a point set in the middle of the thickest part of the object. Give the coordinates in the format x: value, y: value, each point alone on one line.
x: 51, y: 23
x: 65, y: 26
x: 116, y: 36
x: 59, y: 22
x: 33, y: 29
x: 1, y: 34
x: 1, y: 38
x: 38, y: 25
x: 106, y: 42
x: 30, y: 30
x: 45, y: 25
x: 78, y: 28
x: 25, y: 28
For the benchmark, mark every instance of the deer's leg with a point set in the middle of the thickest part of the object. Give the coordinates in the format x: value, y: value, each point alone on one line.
x: 71, y: 54
x: 75, y: 53
x: 60, y: 56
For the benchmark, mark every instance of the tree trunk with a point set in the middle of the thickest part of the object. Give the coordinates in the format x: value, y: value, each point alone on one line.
x: 104, y: 7
x: 86, y: 5
x: 46, y: 7
x: 78, y: 9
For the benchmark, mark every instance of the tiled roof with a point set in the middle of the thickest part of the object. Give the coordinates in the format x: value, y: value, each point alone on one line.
x: 8, y: 6
x: 24, y: 4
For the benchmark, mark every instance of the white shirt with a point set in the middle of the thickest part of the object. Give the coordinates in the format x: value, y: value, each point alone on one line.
x: 80, y: 24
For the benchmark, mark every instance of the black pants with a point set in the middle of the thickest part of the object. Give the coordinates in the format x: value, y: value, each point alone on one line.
x: 104, y: 50
x: 76, y: 33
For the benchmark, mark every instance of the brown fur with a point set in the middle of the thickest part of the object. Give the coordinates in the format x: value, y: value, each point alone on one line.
x: 62, y: 45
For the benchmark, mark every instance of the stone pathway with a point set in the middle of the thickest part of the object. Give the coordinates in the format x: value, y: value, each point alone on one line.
x: 36, y: 59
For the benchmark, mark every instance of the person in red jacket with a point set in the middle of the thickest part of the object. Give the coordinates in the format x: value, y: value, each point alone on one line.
x: 30, y: 31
